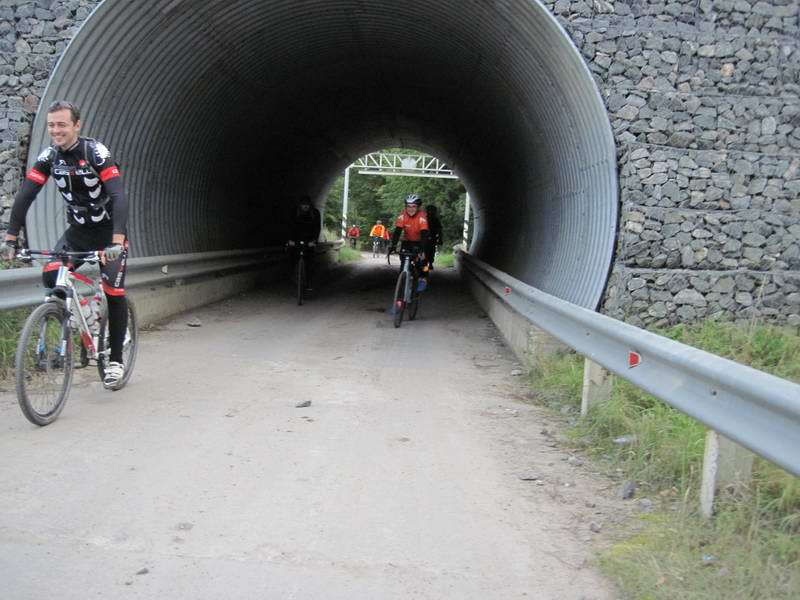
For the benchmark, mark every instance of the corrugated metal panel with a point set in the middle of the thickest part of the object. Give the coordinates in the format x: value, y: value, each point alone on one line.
x: 221, y: 111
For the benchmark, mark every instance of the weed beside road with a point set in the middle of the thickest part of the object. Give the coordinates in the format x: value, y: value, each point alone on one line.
x: 751, y: 549
x: 11, y: 322
x: 348, y: 254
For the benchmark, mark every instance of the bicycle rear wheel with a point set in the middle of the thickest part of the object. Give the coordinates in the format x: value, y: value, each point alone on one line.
x: 399, y: 304
x: 44, y: 364
x: 301, y: 280
x: 129, y: 347
x: 413, y: 306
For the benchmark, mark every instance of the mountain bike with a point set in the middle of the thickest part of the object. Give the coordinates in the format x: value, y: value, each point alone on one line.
x: 45, y: 352
x: 301, y: 276
x: 376, y: 246
x: 406, y: 291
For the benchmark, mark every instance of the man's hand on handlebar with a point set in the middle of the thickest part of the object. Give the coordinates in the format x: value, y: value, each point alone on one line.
x: 111, y: 253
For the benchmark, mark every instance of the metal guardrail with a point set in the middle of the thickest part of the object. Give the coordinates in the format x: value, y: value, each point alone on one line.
x: 23, y: 287
x: 755, y: 409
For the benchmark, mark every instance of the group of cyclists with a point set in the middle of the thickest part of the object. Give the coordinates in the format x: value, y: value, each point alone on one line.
x: 90, y: 183
x: 381, y: 238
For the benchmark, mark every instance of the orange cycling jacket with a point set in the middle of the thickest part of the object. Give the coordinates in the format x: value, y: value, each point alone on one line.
x: 377, y: 231
x: 412, y: 226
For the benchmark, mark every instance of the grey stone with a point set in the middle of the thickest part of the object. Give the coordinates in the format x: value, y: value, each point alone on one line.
x: 627, y: 490
x: 690, y: 297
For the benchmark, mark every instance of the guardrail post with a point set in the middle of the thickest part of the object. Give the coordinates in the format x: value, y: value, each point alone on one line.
x: 725, y: 463
x: 597, y: 385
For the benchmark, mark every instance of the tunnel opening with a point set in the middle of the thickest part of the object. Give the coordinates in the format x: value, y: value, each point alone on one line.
x: 221, y: 114
x: 374, y: 187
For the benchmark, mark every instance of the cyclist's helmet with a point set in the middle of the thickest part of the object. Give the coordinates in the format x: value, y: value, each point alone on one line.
x: 379, y: 222
x: 414, y: 199
x: 304, y: 203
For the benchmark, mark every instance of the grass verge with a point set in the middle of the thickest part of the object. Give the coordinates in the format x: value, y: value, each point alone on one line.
x: 11, y: 322
x: 751, y: 549
x: 443, y: 261
x: 348, y: 254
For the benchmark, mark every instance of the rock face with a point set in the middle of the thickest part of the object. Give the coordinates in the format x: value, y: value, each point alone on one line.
x: 705, y: 104
x: 704, y: 101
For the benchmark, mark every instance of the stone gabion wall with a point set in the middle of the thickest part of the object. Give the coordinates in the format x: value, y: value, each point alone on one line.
x: 704, y: 100
x: 33, y: 34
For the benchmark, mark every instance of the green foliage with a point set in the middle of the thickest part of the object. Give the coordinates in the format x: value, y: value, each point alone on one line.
x: 373, y: 197
x: 445, y: 260
x: 11, y: 323
x: 754, y: 538
x: 767, y: 348
x: 736, y: 556
x: 348, y: 254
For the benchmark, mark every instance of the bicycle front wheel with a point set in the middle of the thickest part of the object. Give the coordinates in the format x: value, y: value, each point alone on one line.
x: 399, y: 305
x: 129, y: 347
x: 44, y: 364
x: 301, y: 280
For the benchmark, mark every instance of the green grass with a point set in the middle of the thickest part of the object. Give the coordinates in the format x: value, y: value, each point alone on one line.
x: 444, y: 260
x: 348, y: 254
x: 755, y: 535
x: 11, y: 323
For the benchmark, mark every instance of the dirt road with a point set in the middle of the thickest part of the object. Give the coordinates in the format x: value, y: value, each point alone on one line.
x: 202, y: 479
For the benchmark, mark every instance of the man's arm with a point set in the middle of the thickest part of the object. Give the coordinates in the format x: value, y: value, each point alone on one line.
x: 395, y: 238
x: 34, y: 181
x: 103, y: 163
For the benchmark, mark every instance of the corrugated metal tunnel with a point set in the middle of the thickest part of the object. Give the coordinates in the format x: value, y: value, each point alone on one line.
x: 219, y: 112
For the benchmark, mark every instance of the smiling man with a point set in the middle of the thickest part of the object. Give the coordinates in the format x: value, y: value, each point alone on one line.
x: 97, y: 214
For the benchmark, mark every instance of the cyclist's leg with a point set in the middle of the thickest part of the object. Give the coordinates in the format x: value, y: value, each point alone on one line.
x: 113, y: 277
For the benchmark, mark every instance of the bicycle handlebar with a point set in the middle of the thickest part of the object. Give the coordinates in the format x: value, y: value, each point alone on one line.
x: 90, y: 257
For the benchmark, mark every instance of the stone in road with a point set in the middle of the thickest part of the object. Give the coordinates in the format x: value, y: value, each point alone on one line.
x: 202, y: 479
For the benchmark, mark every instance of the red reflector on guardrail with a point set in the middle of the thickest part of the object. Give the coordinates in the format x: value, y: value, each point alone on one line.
x: 634, y: 359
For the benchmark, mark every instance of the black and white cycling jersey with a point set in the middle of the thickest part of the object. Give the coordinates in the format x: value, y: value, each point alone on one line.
x: 87, y: 178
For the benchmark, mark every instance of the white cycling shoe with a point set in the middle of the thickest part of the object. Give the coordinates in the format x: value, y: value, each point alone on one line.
x: 113, y: 376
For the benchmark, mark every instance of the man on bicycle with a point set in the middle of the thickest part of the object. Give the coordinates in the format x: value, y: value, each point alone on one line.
x: 412, y: 224
x: 376, y: 233
x: 353, y: 234
x: 97, y: 214
x: 305, y: 227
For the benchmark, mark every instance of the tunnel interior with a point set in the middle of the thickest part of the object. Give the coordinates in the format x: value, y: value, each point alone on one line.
x: 220, y: 113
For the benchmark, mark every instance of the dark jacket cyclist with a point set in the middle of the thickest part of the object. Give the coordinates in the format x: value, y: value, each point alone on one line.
x: 306, y: 225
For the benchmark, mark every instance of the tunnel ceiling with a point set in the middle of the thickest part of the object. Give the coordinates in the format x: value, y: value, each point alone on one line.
x: 221, y: 112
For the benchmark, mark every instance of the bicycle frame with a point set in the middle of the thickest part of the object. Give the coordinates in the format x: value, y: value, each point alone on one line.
x: 72, y: 298
x: 406, y: 259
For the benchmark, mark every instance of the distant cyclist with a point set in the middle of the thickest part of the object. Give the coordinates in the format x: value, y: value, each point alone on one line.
x: 412, y: 225
x: 97, y: 214
x: 376, y: 235
x: 305, y: 227
x: 353, y: 234
x: 435, y: 228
